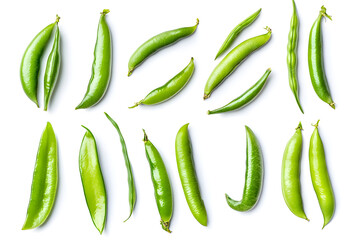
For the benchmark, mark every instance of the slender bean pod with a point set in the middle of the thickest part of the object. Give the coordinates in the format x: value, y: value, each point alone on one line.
x: 187, y: 173
x: 131, y: 183
x: 92, y: 180
x: 253, y: 177
x: 52, y: 68
x: 292, y: 55
x: 30, y: 63
x: 290, y: 174
x: 320, y: 177
x: 246, y: 98
x: 161, y: 182
x: 101, y: 67
x: 45, y: 181
x: 169, y: 89
x: 236, y: 31
x: 316, y: 60
x: 158, y: 42
x: 232, y: 60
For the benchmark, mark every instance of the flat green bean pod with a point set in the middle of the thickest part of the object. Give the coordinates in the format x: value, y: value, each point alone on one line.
x: 161, y: 182
x: 131, y: 183
x: 169, y: 89
x: 158, y: 42
x: 320, y: 177
x: 292, y: 55
x: 232, y: 60
x: 187, y: 173
x: 246, y: 98
x: 316, y: 61
x: 92, y: 180
x: 101, y: 67
x: 236, y: 31
x: 52, y: 68
x: 45, y: 181
x: 30, y: 63
x: 290, y: 174
x: 253, y: 177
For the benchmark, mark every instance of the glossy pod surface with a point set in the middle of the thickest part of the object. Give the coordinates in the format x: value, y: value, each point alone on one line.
x: 45, y: 181
x: 158, y: 42
x: 169, y: 89
x: 52, y: 68
x: 92, y: 180
x: 101, y: 67
x: 246, y: 98
x: 30, y: 63
x: 292, y: 55
x: 131, y: 182
x: 253, y: 177
x: 232, y: 60
x: 161, y: 182
x: 236, y: 31
x: 187, y: 173
x: 290, y: 174
x: 316, y: 61
x: 320, y: 177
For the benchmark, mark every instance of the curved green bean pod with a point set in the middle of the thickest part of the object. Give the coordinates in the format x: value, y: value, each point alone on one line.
x: 236, y: 31
x: 169, y: 89
x: 254, y: 175
x: 290, y: 174
x: 92, y: 180
x: 30, y: 63
x: 316, y: 61
x: 246, y: 98
x: 45, y: 181
x: 292, y: 56
x: 320, y: 176
x: 161, y: 182
x: 52, y: 68
x: 101, y: 67
x: 158, y: 42
x: 232, y: 60
x: 187, y: 173
x: 131, y: 183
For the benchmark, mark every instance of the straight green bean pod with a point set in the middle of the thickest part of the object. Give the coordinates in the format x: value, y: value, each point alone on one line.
x: 158, y: 42
x: 320, y: 177
x: 131, y: 183
x: 292, y: 55
x: 52, y: 68
x: 101, y: 67
x: 92, y: 180
x: 45, y: 181
x: 236, y: 31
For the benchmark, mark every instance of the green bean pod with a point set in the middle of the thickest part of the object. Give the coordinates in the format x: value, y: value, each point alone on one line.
x: 52, y: 68
x: 161, y: 182
x: 131, y: 183
x: 158, y: 42
x: 232, y: 60
x: 187, y: 173
x: 45, y: 181
x: 290, y: 174
x: 236, y: 31
x: 30, y: 63
x: 246, y: 98
x: 316, y: 61
x: 253, y: 177
x: 101, y: 67
x: 320, y: 176
x: 292, y: 55
x: 92, y: 180
x: 169, y: 89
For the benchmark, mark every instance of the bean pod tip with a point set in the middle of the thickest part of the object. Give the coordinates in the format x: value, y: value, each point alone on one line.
x: 323, y: 12
x: 105, y: 11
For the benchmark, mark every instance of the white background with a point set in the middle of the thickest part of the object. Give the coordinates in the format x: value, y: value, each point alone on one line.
x: 218, y: 140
